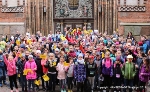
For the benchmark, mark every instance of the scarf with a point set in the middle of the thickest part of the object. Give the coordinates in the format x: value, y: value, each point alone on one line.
x: 80, y: 61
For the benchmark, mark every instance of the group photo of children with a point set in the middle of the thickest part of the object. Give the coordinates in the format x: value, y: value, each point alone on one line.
x: 76, y: 60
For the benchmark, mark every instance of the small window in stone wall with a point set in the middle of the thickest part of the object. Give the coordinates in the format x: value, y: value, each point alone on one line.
x: 131, y: 2
x: 12, y: 6
x: 12, y: 3
x: 131, y: 5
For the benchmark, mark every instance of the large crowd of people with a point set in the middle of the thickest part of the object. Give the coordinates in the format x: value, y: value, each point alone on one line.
x: 84, y: 59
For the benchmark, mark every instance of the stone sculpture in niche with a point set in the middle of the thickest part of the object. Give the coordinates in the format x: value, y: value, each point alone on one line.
x: 73, y: 9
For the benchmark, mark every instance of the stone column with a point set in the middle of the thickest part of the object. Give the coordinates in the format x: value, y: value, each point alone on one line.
x: 95, y: 13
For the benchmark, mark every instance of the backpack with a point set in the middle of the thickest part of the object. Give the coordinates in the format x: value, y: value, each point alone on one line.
x: 105, y: 60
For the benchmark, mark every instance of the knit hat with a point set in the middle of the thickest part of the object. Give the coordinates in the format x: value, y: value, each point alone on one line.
x: 38, y: 51
x: 129, y: 56
x: 91, y: 57
x: 22, y: 46
x: 30, y: 56
x: 57, y: 49
x: 80, y: 55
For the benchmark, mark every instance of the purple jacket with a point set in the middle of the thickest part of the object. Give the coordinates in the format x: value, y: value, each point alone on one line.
x: 107, y: 71
x: 146, y: 74
x: 80, y: 72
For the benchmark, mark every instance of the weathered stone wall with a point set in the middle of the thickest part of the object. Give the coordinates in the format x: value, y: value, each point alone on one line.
x: 11, y: 29
x: 10, y: 22
x: 135, y: 17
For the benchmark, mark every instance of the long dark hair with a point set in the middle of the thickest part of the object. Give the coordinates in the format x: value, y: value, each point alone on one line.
x: 147, y: 60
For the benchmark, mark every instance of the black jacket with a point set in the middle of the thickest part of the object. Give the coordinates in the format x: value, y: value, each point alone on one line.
x: 117, y: 70
x: 91, y: 69
x: 39, y: 66
x: 20, y: 65
x: 50, y: 66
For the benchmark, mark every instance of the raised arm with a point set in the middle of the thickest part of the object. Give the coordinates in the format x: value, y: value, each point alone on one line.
x: 5, y: 59
x: 17, y: 55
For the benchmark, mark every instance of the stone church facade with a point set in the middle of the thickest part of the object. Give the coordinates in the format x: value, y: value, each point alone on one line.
x: 55, y: 15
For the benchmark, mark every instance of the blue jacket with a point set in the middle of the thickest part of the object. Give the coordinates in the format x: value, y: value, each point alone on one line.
x: 1, y: 68
x: 145, y: 48
x: 139, y: 61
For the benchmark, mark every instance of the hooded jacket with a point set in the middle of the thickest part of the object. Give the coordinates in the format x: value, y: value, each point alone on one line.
x: 80, y: 71
x: 31, y: 65
x: 128, y: 70
x: 11, y: 65
x: 146, y: 74
x: 61, y: 71
x: 107, y: 67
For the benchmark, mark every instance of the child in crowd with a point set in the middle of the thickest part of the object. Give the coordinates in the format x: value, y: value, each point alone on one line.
x: 144, y: 74
x: 11, y: 70
x: 117, y: 73
x: 45, y: 70
x: 80, y: 72
x: 21, y: 65
x: 61, y: 74
x: 107, y: 70
x: 31, y: 67
x: 70, y: 74
x: 128, y: 71
x: 1, y: 71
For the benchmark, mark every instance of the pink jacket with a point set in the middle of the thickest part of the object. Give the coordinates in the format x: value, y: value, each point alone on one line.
x: 11, y: 65
x: 61, y: 71
x: 31, y: 65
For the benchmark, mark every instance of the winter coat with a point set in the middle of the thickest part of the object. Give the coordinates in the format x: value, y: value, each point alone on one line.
x: 21, y: 65
x: 146, y: 74
x: 31, y: 65
x: 72, y: 54
x: 51, y: 67
x: 11, y: 65
x: 61, y: 71
x: 106, y: 70
x: 128, y: 70
x: 70, y: 70
x: 145, y: 48
x: 91, y: 69
x: 39, y: 66
x: 1, y: 68
x: 117, y: 70
x: 80, y: 72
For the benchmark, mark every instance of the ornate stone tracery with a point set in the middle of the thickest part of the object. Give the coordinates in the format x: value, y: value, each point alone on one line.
x: 73, y: 9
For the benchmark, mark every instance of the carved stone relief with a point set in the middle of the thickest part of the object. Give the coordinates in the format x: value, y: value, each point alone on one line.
x: 73, y: 9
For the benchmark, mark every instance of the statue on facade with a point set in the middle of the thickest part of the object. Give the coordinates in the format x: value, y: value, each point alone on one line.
x: 85, y: 11
x: 62, y: 11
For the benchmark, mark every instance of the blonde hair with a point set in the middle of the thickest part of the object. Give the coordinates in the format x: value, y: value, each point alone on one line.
x: 10, y: 57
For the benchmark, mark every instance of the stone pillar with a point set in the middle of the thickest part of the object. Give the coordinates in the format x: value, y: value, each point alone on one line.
x: 95, y: 14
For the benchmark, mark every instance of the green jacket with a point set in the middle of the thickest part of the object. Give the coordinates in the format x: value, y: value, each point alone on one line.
x: 128, y: 70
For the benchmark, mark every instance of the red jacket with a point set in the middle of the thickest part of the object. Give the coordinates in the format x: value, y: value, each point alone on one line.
x: 43, y: 62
